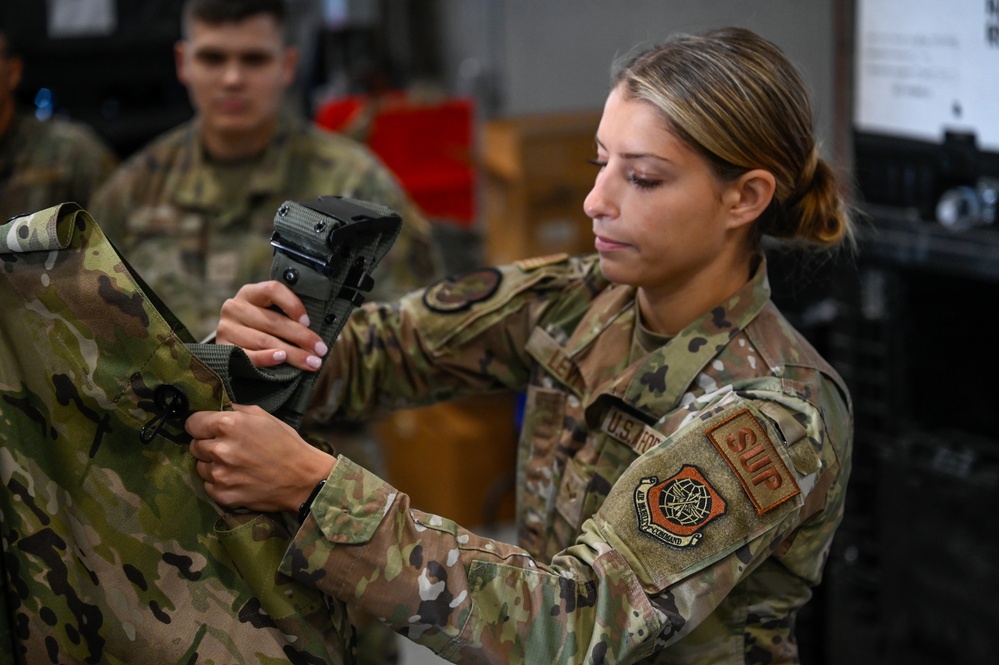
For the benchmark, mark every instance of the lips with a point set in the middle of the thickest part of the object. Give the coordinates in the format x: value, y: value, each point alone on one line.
x: 233, y: 105
x: 605, y: 244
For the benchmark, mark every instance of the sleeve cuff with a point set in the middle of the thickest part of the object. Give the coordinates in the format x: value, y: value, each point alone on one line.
x: 352, y: 504
x: 347, y: 511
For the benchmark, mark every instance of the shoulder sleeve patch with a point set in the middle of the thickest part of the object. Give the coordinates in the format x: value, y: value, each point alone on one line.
x: 746, y: 446
x: 675, y: 509
x: 457, y: 293
x: 682, y: 506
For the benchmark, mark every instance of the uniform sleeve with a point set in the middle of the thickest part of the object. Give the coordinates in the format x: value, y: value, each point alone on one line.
x: 415, y: 352
x: 680, y: 529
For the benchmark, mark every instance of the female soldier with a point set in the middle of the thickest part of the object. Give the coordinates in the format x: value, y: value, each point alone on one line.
x: 685, y: 452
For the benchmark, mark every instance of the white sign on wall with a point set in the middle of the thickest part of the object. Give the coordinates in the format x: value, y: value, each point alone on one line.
x: 81, y: 18
x: 928, y: 66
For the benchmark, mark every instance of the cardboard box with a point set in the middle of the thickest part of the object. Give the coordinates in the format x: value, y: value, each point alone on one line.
x: 456, y: 459
x: 537, y: 173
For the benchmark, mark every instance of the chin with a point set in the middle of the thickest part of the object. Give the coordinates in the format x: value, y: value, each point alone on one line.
x: 616, y: 271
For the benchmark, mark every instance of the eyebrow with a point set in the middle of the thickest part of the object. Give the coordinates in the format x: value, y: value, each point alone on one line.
x: 220, y: 50
x: 637, y: 155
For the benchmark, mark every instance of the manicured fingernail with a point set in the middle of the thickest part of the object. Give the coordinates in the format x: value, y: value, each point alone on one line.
x: 280, y: 356
x: 321, y: 349
x: 304, y: 320
x: 313, y: 362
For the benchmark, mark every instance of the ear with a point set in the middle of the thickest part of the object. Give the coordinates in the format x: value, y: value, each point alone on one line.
x: 748, y: 196
x: 289, y: 64
x: 15, y: 66
x: 179, y: 50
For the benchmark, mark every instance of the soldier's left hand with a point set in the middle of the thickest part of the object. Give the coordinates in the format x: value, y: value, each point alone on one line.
x: 250, y: 459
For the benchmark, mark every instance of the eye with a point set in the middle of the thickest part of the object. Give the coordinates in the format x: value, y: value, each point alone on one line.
x: 211, y: 58
x: 643, y: 183
x: 597, y: 162
x: 256, y: 59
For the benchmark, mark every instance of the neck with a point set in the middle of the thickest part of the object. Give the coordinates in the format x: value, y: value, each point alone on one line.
x: 222, y: 146
x: 667, y: 311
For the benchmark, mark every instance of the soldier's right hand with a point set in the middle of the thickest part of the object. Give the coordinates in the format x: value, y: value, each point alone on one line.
x: 270, y: 337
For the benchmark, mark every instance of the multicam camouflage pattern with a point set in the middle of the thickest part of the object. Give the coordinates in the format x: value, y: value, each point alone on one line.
x: 736, y: 427
x: 112, y: 551
x: 46, y: 163
x: 196, y: 231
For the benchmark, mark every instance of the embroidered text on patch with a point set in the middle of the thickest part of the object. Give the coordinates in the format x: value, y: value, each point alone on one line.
x: 675, y: 510
x: 631, y: 431
x: 747, y: 448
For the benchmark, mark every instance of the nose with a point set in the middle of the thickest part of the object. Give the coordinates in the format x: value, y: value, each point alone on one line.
x: 598, y: 202
x: 232, y: 72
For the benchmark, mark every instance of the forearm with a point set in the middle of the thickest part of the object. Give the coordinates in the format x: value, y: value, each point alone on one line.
x: 383, y: 360
x: 466, y: 597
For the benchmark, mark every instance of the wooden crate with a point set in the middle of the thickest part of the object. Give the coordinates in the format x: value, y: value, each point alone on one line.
x: 537, y: 172
x: 455, y: 459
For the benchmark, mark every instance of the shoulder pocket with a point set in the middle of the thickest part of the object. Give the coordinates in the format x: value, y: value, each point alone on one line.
x: 459, y: 306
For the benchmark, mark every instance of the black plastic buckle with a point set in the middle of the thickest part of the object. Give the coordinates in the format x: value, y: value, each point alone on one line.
x: 322, y: 265
x: 348, y: 219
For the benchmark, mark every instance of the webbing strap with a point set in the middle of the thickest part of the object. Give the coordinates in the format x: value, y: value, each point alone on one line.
x: 324, y: 251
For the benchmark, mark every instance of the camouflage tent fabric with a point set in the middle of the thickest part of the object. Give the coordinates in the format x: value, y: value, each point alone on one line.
x: 112, y: 552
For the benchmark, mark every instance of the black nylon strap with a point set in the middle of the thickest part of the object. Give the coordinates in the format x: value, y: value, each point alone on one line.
x: 324, y: 250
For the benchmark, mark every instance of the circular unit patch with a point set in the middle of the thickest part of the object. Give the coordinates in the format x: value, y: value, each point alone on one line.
x: 459, y: 292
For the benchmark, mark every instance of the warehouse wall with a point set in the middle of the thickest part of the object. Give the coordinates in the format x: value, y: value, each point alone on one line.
x: 535, y: 56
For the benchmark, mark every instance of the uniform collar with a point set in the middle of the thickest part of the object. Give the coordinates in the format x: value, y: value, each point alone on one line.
x: 655, y: 384
x: 194, y: 187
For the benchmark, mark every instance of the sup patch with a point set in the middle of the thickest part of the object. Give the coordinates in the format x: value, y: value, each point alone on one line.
x: 675, y: 510
x: 457, y: 293
x: 747, y: 448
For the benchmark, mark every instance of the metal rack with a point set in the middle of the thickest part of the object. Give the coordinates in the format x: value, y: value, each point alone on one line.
x: 910, y: 578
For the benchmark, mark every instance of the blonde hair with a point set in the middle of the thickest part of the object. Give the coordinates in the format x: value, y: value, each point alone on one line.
x: 734, y: 97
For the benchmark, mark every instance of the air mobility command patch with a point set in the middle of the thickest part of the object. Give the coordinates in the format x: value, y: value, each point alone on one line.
x: 457, y: 293
x: 675, y: 510
x: 747, y: 448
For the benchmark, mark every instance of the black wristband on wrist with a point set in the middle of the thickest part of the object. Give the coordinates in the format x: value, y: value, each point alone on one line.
x: 303, y: 510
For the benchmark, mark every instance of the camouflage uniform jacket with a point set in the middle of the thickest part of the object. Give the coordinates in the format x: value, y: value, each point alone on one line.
x: 674, y: 506
x: 195, y: 241
x: 111, y: 550
x: 46, y: 163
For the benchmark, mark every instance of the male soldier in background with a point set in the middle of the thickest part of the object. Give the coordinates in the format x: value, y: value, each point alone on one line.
x: 42, y: 163
x: 194, y: 210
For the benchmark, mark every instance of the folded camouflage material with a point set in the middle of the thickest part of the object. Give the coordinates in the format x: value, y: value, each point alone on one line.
x: 112, y: 552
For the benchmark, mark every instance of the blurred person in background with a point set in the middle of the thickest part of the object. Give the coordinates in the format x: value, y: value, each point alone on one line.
x: 42, y: 163
x: 194, y: 209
